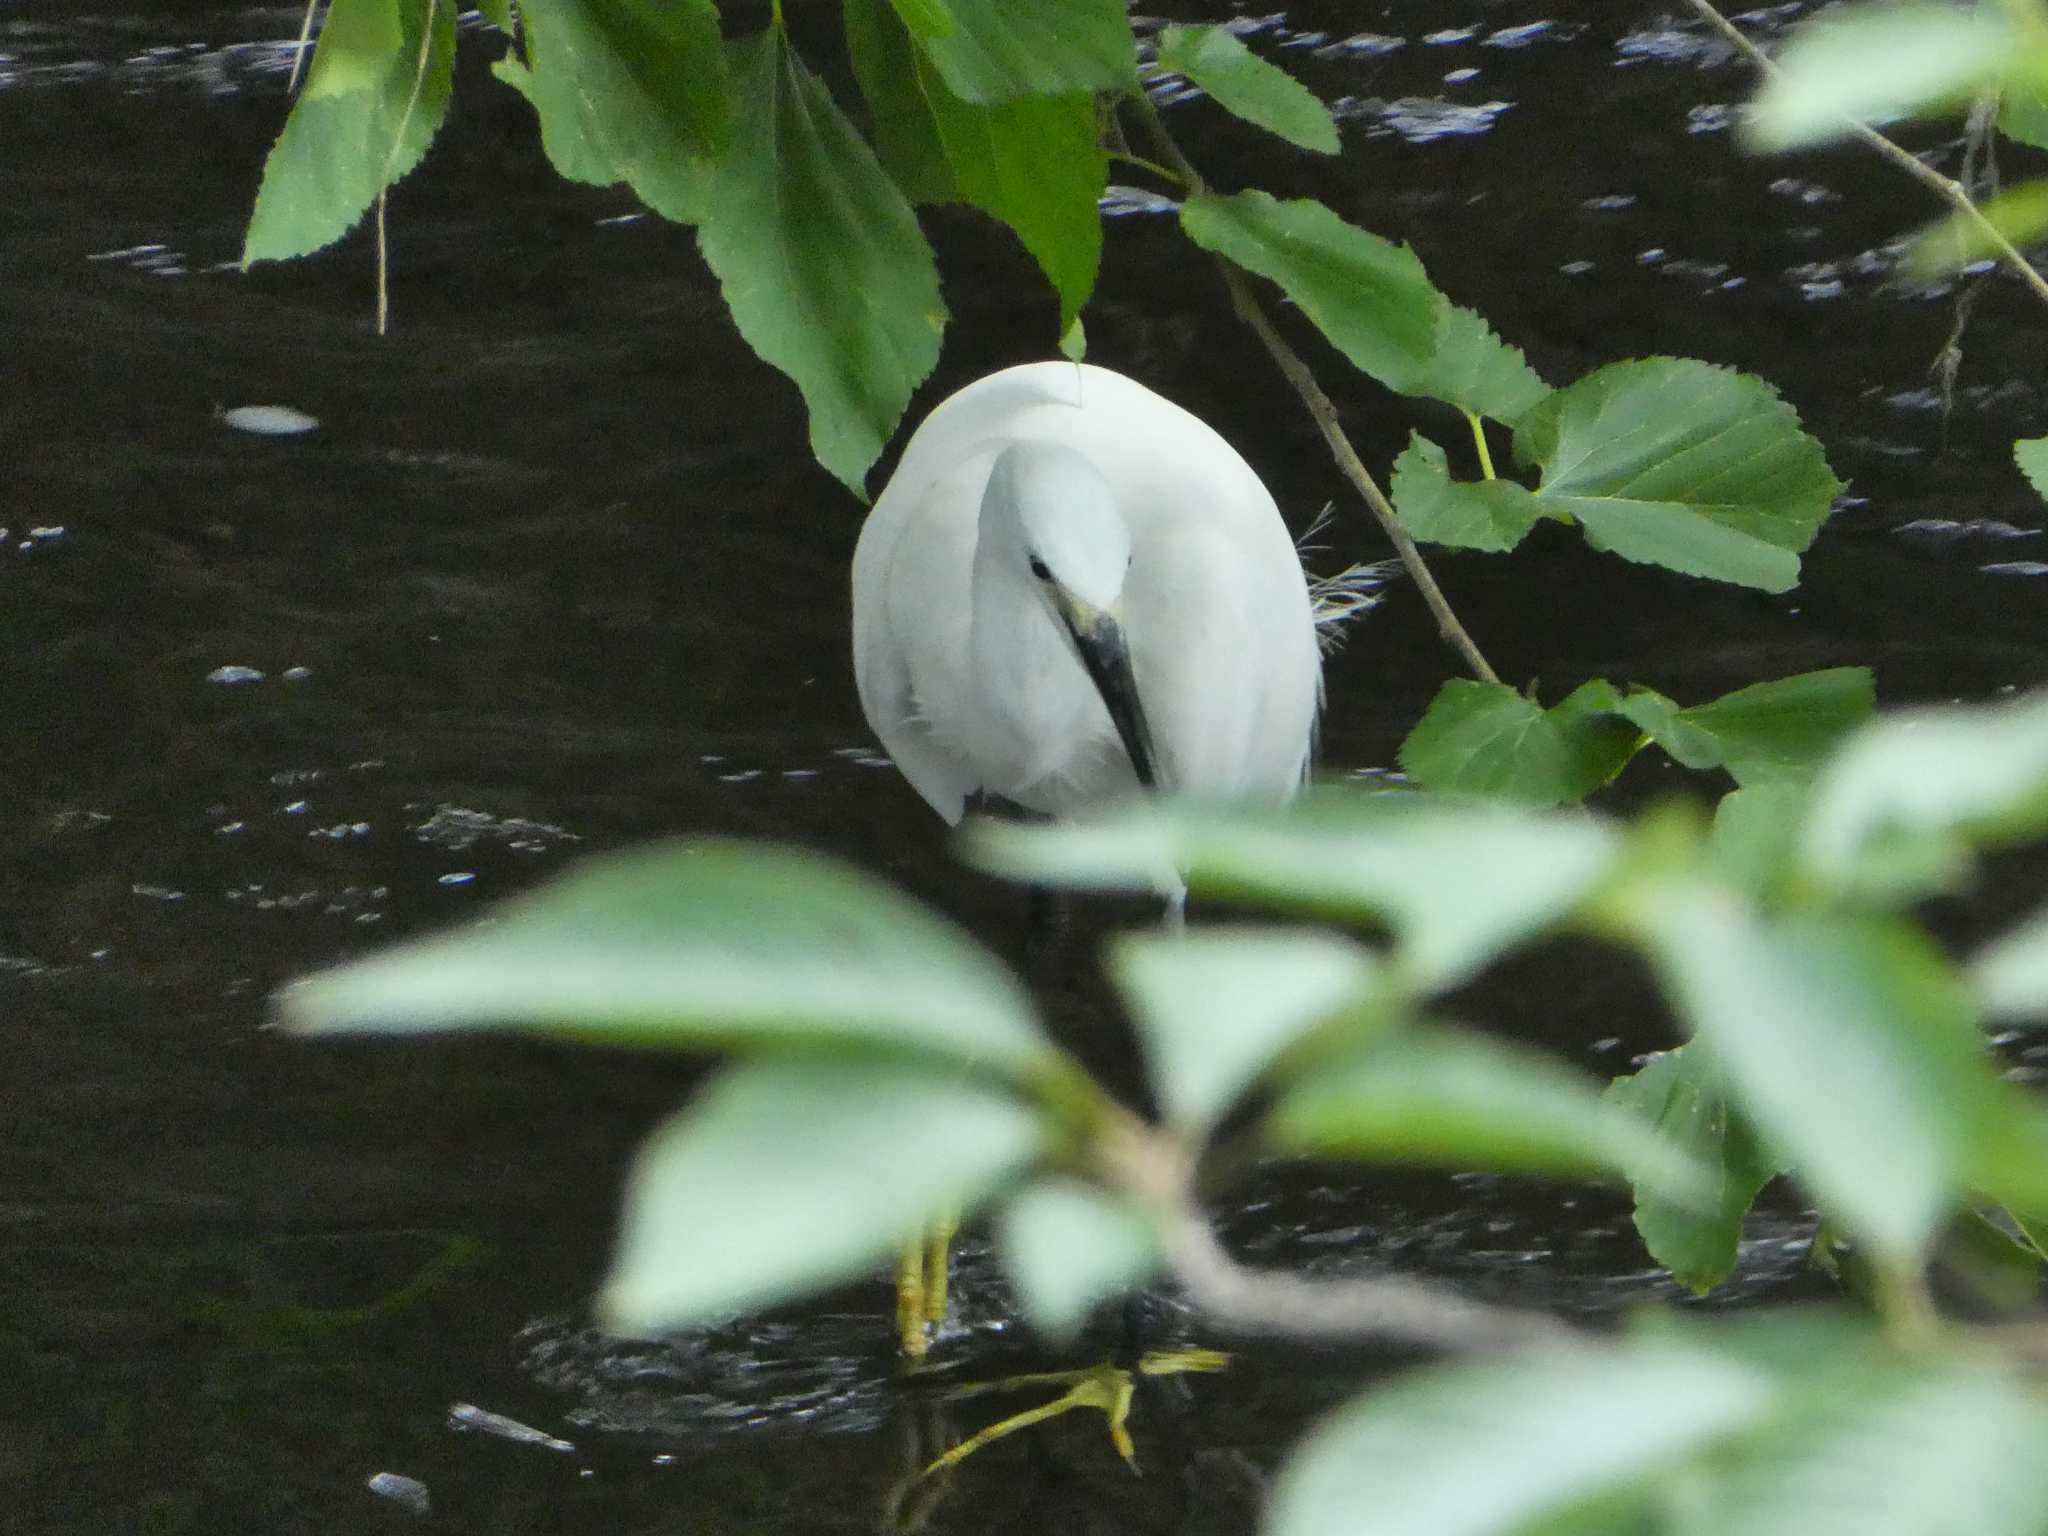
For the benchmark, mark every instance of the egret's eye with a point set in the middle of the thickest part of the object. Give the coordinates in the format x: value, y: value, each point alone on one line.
x: 1038, y: 569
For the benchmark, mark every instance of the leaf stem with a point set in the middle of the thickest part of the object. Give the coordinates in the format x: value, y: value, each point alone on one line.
x: 1478, y: 426
x: 1951, y: 192
x: 1320, y: 408
x: 1165, y: 173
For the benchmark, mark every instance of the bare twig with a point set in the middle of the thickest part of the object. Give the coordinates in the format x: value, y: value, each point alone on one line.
x: 1320, y: 409
x: 1154, y: 1168
x: 1283, y: 1305
x: 1951, y: 192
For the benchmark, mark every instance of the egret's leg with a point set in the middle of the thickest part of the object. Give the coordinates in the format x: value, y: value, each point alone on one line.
x: 910, y: 1299
x: 1107, y: 1388
x: 938, y: 1257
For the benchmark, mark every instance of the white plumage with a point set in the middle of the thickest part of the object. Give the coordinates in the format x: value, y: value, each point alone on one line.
x: 1068, y: 574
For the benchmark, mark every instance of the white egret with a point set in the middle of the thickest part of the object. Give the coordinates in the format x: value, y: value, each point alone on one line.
x: 1071, y: 588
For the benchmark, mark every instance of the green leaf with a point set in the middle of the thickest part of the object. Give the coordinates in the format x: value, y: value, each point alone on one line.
x: 1458, y: 883
x: 1679, y: 1093
x: 692, y: 945
x: 1445, y: 1098
x: 1368, y: 295
x: 790, y: 1175
x: 2031, y: 454
x: 1783, y: 729
x: 901, y: 124
x: 1463, y: 514
x: 1487, y: 740
x: 1215, y: 1008
x: 998, y: 50
x: 1475, y: 370
x: 628, y: 90
x: 375, y: 96
x: 1036, y: 163
x: 2023, y: 109
x: 1755, y: 832
x: 820, y: 259
x: 2011, y: 972
x: 1682, y: 464
x: 499, y: 14
x: 2019, y: 214
x: 1488, y: 1448
x: 1246, y: 86
x: 1068, y: 1248
x: 1877, y: 61
x: 1896, y: 809
x: 1866, y: 1006
x: 1934, y: 1449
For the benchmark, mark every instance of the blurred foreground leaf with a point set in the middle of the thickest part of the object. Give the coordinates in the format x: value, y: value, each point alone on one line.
x: 1445, y: 1098
x: 1457, y: 883
x: 695, y: 945
x: 1875, y: 61
x: 790, y: 1175
x: 1900, y: 806
x: 1216, y: 1007
x: 1068, y: 1248
x: 1492, y: 1448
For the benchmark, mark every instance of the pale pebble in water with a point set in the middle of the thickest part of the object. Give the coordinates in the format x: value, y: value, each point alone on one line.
x: 233, y: 675
x: 409, y: 1493
x: 269, y: 420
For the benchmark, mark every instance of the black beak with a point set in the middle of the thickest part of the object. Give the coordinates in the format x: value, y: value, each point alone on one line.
x: 1099, y: 640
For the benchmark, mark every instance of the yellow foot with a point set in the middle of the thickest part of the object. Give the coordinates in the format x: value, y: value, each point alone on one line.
x: 1106, y: 1388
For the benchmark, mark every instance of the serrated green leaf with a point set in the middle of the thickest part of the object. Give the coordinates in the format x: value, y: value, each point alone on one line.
x: 900, y: 122
x: 694, y: 945
x: 1445, y: 1098
x: 2031, y: 454
x: 1368, y: 295
x: 1877, y: 61
x: 1942, y: 1448
x: 1074, y: 341
x: 1549, y: 1428
x: 999, y: 50
x: 375, y: 96
x: 1246, y: 86
x: 1462, y: 514
x: 820, y: 259
x: 1214, y: 1009
x: 1487, y: 740
x: 1679, y: 1093
x: 1068, y: 1248
x: 1682, y: 464
x: 1459, y: 883
x: 1783, y: 729
x: 1475, y: 370
x: 788, y: 1175
x: 1896, y: 809
x: 628, y: 90
x: 1867, y: 1006
x: 1035, y: 162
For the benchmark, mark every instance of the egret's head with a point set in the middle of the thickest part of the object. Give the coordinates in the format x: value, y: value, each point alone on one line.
x: 1048, y: 509
x: 1054, y: 509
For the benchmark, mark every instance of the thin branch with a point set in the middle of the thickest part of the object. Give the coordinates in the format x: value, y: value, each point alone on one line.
x: 1393, y: 1310
x: 1155, y: 1169
x: 1951, y: 192
x: 1321, y: 409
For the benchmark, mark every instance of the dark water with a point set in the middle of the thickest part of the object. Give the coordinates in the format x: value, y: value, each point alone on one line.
x: 556, y: 574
